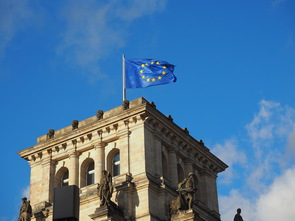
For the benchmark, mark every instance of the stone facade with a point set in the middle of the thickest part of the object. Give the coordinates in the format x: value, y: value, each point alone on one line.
x: 149, y: 152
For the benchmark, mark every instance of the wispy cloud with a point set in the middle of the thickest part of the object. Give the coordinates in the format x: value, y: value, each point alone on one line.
x: 269, y: 181
x: 229, y: 153
x: 229, y: 205
x: 273, y: 122
x: 14, y: 16
x: 272, y: 205
x: 275, y: 204
x: 277, y: 2
x: 261, y: 128
x: 95, y: 29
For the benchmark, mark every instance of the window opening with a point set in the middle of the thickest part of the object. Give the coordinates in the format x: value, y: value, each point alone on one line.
x: 90, y: 174
x: 116, y: 165
x: 65, y: 179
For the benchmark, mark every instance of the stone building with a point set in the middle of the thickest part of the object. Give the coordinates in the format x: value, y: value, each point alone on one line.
x: 146, y: 153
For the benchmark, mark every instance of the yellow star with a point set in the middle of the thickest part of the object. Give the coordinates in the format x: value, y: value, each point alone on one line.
x: 142, y: 76
x: 142, y: 65
x: 157, y: 62
x: 159, y: 77
x: 148, y: 80
x: 164, y: 66
x: 141, y: 71
x: 153, y: 79
x: 163, y: 72
x: 146, y: 64
x: 152, y: 62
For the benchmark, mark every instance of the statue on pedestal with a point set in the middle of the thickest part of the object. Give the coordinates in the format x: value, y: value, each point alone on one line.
x: 25, y: 212
x: 185, y: 197
x: 105, y: 188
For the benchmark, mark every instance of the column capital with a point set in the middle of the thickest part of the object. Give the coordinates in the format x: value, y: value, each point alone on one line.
x: 99, y: 145
x: 74, y: 154
x: 207, y: 172
x: 172, y: 149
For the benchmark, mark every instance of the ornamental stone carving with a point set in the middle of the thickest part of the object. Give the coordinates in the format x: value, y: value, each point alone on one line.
x: 50, y: 134
x: 75, y: 124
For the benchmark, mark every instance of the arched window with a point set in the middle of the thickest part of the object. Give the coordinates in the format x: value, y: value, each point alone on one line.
x: 116, y: 165
x: 164, y: 166
x: 62, y: 177
x: 180, y: 173
x: 90, y: 174
x: 65, y: 179
x: 87, y: 172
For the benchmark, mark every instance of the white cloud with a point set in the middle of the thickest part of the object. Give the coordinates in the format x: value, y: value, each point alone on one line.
x: 230, y: 204
x: 271, y: 136
x: 229, y: 153
x: 278, y: 202
x: 261, y: 127
x: 277, y: 2
x: 261, y: 172
x: 271, y: 124
x: 291, y: 143
x: 95, y: 29
x: 132, y: 9
x: 273, y: 205
x: 268, y: 189
x: 14, y: 16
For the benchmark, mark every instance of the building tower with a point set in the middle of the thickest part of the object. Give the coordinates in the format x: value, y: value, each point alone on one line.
x: 146, y: 153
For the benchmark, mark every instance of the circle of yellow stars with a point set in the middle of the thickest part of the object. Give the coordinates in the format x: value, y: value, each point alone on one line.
x: 152, y: 79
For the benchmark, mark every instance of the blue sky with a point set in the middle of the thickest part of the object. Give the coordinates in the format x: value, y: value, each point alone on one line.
x: 235, y: 64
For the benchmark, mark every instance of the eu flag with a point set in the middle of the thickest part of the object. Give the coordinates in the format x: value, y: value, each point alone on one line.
x: 148, y: 72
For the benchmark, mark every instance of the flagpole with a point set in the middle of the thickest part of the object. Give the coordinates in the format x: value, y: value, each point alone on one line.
x: 124, y: 77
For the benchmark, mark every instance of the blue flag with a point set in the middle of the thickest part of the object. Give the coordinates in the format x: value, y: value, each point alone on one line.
x: 148, y: 72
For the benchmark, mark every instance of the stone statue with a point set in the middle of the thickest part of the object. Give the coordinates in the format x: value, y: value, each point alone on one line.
x: 186, y: 191
x: 125, y: 105
x: 105, y: 188
x: 50, y: 133
x: 238, y: 216
x: 25, y: 212
x: 185, y: 197
x: 99, y: 114
x: 75, y: 124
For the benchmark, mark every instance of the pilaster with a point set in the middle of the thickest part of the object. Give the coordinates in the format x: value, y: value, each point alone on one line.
x: 208, y: 189
x: 74, y: 168
x: 48, y: 171
x: 173, y: 167
x: 99, y: 161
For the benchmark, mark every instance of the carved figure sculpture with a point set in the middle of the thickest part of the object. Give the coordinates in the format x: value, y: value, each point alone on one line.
x: 99, y: 114
x: 186, y: 192
x: 75, y: 124
x: 125, y: 104
x: 105, y: 188
x: 238, y: 216
x: 25, y: 212
x: 50, y: 133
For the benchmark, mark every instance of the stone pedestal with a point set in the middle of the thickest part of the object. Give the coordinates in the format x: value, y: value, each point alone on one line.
x: 107, y: 213
x: 185, y: 215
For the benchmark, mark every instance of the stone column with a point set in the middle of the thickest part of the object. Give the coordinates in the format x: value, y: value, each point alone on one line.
x: 35, y: 182
x: 99, y: 161
x: 48, y: 170
x: 208, y: 189
x: 188, y: 166
x: 124, y: 145
x: 158, y: 157
x: 173, y: 175
x: 74, y: 169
